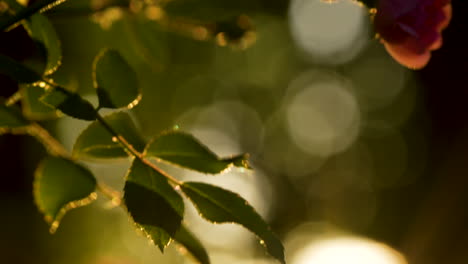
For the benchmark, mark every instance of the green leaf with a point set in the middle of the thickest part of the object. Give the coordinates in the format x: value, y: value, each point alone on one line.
x: 61, y: 185
x: 210, y: 10
x: 222, y: 206
x: 184, y: 150
x: 96, y: 143
x: 11, y: 117
x: 153, y: 203
x: 40, y: 29
x: 33, y: 108
x: 188, y: 240
x: 116, y: 82
x: 33, y: 8
x: 69, y: 103
x: 17, y: 71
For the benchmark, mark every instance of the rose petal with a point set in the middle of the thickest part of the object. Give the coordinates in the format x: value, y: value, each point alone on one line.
x: 407, y: 57
x: 448, y: 16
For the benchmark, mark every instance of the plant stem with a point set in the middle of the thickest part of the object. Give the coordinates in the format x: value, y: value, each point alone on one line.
x: 13, y: 99
x: 55, y: 148
x: 48, y: 141
x: 135, y: 152
x: 111, y: 194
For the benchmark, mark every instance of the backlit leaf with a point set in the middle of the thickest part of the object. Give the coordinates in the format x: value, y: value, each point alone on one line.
x: 153, y: 203
x: 33, y: 108
x: 23, y: 13
x: 61, y: 185
x: 69, y: 103
x: 222, y: 206
x: 16, y: 71
x: 41, y: 29
x: 116, y: 82
x: 184, y: 150
x: 188, y: 240
x: 96, y: 143
x: 10, y: 117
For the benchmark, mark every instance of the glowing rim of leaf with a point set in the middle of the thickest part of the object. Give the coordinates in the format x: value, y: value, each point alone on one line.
x: 101, y: 53
x: 84, y: 153
x: 54, y: 223
x: 229, y: 166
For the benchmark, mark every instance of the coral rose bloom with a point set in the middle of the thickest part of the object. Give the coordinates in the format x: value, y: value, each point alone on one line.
x: 411, y: 29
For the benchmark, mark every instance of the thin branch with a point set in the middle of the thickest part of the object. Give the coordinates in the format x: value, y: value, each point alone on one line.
x: 135, y: 152
x: 13, y: 99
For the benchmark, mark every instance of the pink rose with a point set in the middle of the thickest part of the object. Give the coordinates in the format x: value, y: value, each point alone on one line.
x: 411, y: 29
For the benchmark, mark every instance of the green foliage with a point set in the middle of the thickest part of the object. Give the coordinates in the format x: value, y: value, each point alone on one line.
x: 41, y: 29
x: 151, y: 197
x: 184, y: 150
x: 23, y: 13
x: 60, y: 185
x: 69, y: 103
x: 11, y: 117
x: 222, y: 206
x: 16, y: 71
x: 97, y: 143
x: 153, y: 203
x: 116, y: 82
x: 192, y: 244
x: 33, y: 108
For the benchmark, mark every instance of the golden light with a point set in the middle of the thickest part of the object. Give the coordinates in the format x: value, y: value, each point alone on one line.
x: 329, y: 31
x: 322, y: 113
x: 349, y: 250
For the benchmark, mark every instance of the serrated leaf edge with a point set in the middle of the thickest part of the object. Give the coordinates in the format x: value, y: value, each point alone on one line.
x: 229, y: 160
x: 226, y: 209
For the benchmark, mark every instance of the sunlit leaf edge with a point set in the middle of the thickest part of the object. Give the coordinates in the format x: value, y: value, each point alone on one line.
x: 104, y: 98
x: 240, y: 160
x: 191, y: 245
x: 54, y: 223
x: 78, y: 153
x: 187, y: 186
x: 165, y: 191
x: 28, y: 24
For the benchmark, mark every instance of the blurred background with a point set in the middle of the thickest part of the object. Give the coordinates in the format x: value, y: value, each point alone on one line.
x: 356, y: 159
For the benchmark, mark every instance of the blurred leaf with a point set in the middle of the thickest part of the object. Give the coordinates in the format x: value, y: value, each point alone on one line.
x: 116, y: 82
x: 222, y: 206
x: 10, y: 117
x: 210, y: 10
x: 33, y: 108
x: 153, y: 203
x: 33, y: 8
x: 61, y: 185
x: 40, y: 29
x: 192, y: 245
x: 17, y: 71
x: 184, y: 150
x: 96, y: 143
x: 69, y: 103
x: 13, y: 5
